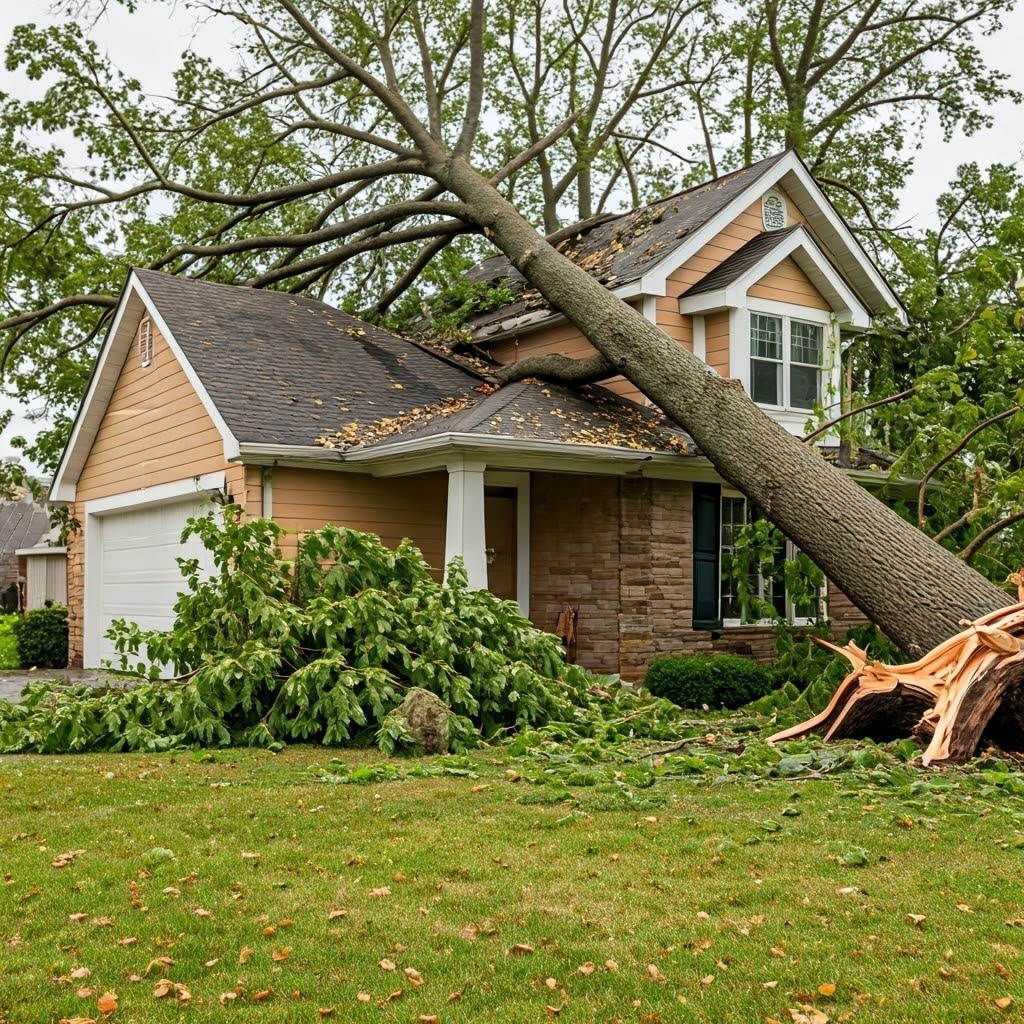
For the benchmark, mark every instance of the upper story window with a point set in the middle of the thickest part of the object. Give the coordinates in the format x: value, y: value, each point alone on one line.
x: 786, y: 358
x: 146, y: 341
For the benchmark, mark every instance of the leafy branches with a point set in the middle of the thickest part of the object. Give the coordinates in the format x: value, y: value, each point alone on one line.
x: 322, y: 649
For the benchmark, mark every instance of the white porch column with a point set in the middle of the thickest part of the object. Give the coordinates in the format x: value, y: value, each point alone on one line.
x: 464, y: 534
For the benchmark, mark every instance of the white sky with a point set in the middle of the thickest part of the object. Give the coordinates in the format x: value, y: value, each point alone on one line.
x: 148, y: 44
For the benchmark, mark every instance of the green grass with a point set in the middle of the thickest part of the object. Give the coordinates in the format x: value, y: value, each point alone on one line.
x: 705, y: 898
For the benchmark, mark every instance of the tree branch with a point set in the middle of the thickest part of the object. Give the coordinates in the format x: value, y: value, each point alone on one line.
x: 557, y: 369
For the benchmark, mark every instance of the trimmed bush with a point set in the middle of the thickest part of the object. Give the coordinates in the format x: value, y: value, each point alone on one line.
x: 9, y: 656
x: 717, y: 680
x: 42, y: 636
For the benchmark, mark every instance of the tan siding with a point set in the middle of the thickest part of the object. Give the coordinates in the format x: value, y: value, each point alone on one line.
x: 716, y: 342
x: 676, y: 325
x: 155, y: 430
x: 788, y: 283
x: 745, y: 227
x: 733, y: 237
x: 561, y: 338
x: 395, y: 508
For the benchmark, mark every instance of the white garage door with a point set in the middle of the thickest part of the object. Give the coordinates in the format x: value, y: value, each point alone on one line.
x: 139, y: 576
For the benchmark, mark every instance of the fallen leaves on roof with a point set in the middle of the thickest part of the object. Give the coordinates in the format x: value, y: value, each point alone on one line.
x: 357, y: 434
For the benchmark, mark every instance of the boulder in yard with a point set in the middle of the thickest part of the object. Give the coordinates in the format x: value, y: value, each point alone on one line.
x: 426, y: 717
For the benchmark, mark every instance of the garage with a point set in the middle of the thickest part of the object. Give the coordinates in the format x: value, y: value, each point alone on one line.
x: 136, y: 575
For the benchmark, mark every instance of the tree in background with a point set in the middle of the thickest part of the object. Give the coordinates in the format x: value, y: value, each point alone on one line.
x: 959, y: 432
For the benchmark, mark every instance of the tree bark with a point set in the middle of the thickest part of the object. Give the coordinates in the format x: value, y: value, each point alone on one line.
x: 915, y: 590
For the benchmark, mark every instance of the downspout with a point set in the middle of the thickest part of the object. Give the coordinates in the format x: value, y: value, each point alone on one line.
x: 268, y: 492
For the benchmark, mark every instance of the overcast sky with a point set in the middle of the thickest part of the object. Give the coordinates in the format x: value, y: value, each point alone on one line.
x: 148, y: 44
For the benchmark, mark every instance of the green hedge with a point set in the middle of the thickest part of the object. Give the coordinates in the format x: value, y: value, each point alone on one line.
x: 715, y: 680
x: 9, y: 656
x: 42, y: 636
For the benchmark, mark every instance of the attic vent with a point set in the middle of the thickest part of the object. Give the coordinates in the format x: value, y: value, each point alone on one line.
x: 773, y: 210
x: 146, y: 342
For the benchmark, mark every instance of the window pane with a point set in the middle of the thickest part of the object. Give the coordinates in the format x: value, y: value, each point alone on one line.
x: 804, y: 387
x: 766, y: 382
x: 805, y: 343
x: 765, y: 336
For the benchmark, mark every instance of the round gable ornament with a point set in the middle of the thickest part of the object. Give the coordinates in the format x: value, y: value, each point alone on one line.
x: 773, y: 210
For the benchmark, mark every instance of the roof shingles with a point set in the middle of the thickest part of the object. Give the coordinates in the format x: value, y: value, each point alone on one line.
x: 286, y: 370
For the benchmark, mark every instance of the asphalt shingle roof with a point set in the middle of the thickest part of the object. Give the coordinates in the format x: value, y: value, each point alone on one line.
x: 282, y: 369
x: 22, y: 525
x: 620, y: 249
x: 744, y: 259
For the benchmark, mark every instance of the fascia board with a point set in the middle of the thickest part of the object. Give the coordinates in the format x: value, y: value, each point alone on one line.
x: 421, y: 454
x: 800, y: 183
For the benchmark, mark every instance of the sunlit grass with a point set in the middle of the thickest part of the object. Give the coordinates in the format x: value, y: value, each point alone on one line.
x: 496, y: 899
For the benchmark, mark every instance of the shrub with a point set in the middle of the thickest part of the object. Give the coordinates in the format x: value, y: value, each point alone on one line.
x: 9, y: 656
x: 717, y: 680
x: 42, y: 636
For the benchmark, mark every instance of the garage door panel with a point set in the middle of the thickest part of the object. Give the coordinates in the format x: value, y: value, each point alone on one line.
x: 139, y: 576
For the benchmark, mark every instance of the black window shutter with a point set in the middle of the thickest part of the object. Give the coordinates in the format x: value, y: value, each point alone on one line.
x: 707, y: 528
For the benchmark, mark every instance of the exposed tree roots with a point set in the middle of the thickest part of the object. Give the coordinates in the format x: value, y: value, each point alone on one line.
x: 965, y: 690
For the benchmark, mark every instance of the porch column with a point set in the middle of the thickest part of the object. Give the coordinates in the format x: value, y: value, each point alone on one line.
x: 464, y: 534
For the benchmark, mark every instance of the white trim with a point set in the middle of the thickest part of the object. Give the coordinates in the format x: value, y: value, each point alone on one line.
x: 267, y: 492
x: 810, y: 259
x: 92, y: 521
x: 521, y: 482
x: 700, y: 340
x: 649, y: 308
x: 208, y: 483
x: 41, y: 551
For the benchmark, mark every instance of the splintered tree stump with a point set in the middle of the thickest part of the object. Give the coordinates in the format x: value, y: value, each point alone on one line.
x: 968, y: 688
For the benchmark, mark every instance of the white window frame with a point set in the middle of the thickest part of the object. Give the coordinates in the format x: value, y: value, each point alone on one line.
x: 794, y: 420
x: 791, y: 552
x: 786, y: 363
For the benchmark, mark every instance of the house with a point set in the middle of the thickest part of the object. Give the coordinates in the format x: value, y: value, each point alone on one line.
x: 583, y: 499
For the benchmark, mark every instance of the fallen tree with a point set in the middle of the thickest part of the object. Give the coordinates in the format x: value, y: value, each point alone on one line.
x: 963, y: 692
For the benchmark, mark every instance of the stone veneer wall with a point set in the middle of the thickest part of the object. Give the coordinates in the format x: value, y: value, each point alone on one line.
x: 620, y: 549
x: 76, y: 592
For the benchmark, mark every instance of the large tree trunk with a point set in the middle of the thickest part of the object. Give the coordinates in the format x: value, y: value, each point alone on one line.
x: 916, y: 591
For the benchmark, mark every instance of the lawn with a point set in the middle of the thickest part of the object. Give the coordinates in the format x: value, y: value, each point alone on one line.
x: 312, y: 884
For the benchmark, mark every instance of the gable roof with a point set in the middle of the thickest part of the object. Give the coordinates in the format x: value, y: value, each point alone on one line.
x: 282, y: 376
x: 281, y: 369
x: 633, y: 253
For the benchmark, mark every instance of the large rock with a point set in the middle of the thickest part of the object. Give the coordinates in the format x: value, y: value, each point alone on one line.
x: 426, y: 717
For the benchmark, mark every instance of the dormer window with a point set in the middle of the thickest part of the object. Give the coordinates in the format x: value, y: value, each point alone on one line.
x: 786, y: 357
x: 146, y: 342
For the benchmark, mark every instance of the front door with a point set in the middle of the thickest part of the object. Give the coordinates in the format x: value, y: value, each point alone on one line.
x: 500, y: 528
